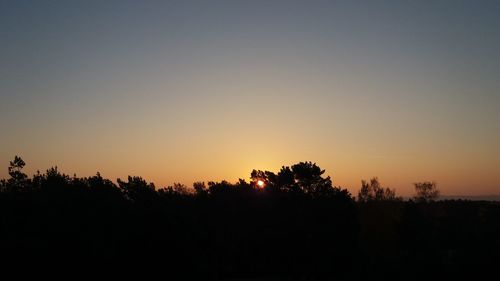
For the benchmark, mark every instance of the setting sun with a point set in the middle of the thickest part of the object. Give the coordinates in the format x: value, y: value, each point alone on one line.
x: 252, y: 140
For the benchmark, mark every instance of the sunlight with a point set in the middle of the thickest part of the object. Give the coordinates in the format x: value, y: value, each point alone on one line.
x: 260, y: 183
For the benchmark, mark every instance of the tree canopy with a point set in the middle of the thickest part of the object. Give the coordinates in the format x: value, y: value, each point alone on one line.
x: 426, y: 191
x: 373, y: 191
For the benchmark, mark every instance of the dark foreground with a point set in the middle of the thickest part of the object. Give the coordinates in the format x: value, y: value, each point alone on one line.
x: 240, y: 232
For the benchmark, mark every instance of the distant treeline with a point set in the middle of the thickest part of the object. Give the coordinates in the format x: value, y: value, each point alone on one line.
x: 290, y: 225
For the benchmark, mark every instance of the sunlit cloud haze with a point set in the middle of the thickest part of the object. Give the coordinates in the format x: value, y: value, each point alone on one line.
x: 179, y: 91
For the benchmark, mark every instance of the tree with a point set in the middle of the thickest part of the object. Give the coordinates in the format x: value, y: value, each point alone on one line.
x: 373, y: 191
x: 308, y: 176
x: 426, y: 191
x: 177, y: 189
x: 305, y: 178
x: 99, y: 182
x: 200, y: 188
x: 102, y: 187
x: 54, y: 180
x: 285, y: 180
x: 137, y: 189
x: 18, y: 179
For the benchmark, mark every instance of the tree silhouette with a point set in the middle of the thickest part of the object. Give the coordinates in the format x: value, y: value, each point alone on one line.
x: 200, y: 188
x: 104, y: 188
x: 137, y: 189
x: 426, y: 191
x: 308, y: 177
x: 177, y: 189
x: 97, y: 182
x: 373, y: 191
x: 267, y: 177
x: 298, y: 227
x: 18, y: 180
x: 285, y: 180
x: 53, y: 180
x: 304, y: 178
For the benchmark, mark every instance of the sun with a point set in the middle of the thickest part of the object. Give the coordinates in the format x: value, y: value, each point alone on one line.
x: 260, y: 183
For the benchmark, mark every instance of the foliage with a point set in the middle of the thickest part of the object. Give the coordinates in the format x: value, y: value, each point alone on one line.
x: 302, y: 179
x: 373, y: 191
x: 426, y: 191
x: 137, y: 189
x: 18, y: 180
x: 298, y: 227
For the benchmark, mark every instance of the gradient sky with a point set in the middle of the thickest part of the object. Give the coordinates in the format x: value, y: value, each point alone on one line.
x: 178, y: 91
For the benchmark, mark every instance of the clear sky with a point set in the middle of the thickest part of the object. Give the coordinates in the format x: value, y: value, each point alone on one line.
x: 178, y: 91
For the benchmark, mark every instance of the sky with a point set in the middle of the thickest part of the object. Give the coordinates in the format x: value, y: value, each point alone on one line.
x: 181, y: 91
